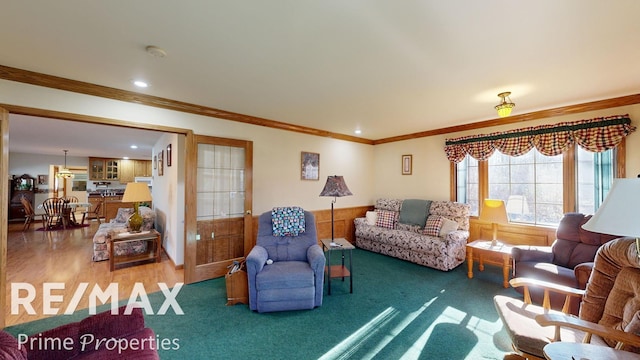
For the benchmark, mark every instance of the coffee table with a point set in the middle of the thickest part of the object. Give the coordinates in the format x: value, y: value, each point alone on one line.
x: 151, y: 255
x: 483, y: 247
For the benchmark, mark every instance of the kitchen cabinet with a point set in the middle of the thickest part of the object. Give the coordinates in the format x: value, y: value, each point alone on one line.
x: 130, y: 169
x: 143, y: 168
x: 104, y: 169
x: 127, y: 171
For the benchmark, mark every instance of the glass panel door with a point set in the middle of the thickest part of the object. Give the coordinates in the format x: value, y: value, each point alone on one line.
x: 222, y: 206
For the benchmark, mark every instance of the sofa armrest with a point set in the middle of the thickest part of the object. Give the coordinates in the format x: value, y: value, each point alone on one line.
x: 360, y: 221
x: 583, y: 272
x: 457, y: 235
x: 533, y: 254
x: 256, y: 260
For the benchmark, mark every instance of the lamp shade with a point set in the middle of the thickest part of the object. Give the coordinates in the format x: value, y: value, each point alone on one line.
x: 136, y: 192
x: 619, y: 214
x: 335, y: 187
x: 494, y: 211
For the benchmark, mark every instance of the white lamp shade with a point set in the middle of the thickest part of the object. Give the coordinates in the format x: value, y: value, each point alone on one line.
x: 619, y: 214
x: 494, y: 211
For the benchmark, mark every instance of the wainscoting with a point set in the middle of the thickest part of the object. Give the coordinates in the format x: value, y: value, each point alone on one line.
x: 343, y: 220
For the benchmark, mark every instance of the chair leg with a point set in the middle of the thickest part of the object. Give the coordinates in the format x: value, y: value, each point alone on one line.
x: 27, y: 223
x: 83, y: 216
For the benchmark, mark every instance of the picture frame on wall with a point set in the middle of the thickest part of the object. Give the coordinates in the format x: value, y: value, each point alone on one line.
x: 160, y: 163
x: 155, y: 162
x: 168, y: 155
x: 43, y: 179
x: 407, y: 164
x: 309, y: 166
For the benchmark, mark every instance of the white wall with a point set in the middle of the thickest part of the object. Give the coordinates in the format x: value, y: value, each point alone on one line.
x: 430, y: 179
x: 276, y: 175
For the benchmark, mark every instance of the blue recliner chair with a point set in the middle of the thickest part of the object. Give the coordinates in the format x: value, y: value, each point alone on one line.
x: 295, y: 278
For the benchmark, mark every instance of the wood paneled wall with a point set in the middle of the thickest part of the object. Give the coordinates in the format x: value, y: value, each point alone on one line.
x: 343, y: 220
x: 514, y: 234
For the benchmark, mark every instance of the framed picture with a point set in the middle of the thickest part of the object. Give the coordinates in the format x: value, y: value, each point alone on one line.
x: 310, y: 166
x: 43, y: 179
x: 160, y: 161
x: 407, y: 164
x: 155, y: 162
x: 169, y: 155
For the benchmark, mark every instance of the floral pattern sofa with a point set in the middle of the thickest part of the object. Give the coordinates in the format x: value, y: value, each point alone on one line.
x: 102, y: 237
x: 428, y: 244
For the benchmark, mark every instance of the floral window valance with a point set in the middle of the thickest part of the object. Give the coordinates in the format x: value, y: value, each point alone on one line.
x: 594, y: 135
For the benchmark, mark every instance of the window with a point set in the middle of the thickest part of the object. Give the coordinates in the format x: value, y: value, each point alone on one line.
x: 467, y: 184
x: 534, y: 186
x: 531, y: 186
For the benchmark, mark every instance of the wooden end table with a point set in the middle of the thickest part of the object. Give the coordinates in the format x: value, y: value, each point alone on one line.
x: 567, y: 350
x: 152, y: 255
x: 483, y: 247
x: 337, y: 271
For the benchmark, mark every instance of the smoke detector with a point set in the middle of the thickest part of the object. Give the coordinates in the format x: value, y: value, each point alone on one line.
x: 155, y: 51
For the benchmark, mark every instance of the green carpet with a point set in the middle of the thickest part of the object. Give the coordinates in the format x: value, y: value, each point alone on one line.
x: 398, y: 310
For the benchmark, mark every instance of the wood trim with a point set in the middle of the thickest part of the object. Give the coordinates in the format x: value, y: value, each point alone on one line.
x: 59, y: 115
x: 4, y: 199
x: 536, y: 115
x: 453, y: 180
x: 190, y: 209
x: 55, y: 82
x: 621, y: 159
x: 569, y: 180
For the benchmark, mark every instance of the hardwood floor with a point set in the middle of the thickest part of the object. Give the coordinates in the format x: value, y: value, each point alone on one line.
x: 64, y: 256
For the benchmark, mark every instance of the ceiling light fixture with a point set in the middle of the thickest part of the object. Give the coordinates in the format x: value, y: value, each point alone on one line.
x: 155, y: 51
x: 505, y: 107
x: 64, y: 173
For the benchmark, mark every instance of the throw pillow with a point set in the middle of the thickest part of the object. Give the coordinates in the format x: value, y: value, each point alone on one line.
x: 386, y: 219
x: 9, y: 347
x: 447, y: 226
x: 287, y: 221
x: 372, y: 216
x: 433, y: 225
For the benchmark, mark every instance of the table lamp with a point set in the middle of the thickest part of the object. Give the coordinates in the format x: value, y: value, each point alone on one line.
x: 135, y: 193
x: 335, y: 187
x: 495, y: 212
x: 619, y: 213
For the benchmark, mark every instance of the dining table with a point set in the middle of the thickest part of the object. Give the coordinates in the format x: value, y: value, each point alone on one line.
x: 70, y: 207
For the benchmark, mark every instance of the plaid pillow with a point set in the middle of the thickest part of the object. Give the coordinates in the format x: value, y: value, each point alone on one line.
x: 287, y: 221
x: 433, y: 225
x: 386, y: 219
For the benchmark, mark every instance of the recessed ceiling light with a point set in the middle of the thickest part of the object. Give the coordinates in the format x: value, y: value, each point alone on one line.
x: 358, y: 132
x: 140, y: 83
x: 125, y: 158
x: 134, y: 146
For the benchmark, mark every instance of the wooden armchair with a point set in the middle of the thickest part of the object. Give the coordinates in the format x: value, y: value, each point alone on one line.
x: 54, y: 209
x: 29, y: 213
x: 609, y: 313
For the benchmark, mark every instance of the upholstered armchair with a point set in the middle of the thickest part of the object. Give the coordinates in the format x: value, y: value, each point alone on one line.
x: 568, y: 261
x: 609, y: 313
x: 286, y: 267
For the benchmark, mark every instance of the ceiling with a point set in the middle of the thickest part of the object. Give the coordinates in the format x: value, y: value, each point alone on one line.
x: 388, y: 68
x: 33, y: 135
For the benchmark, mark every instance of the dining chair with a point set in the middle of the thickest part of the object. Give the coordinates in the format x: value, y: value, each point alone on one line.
x: 72, y: 211
x: 54, y: 213
x: 95, y: 212
x: 29, y: 213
